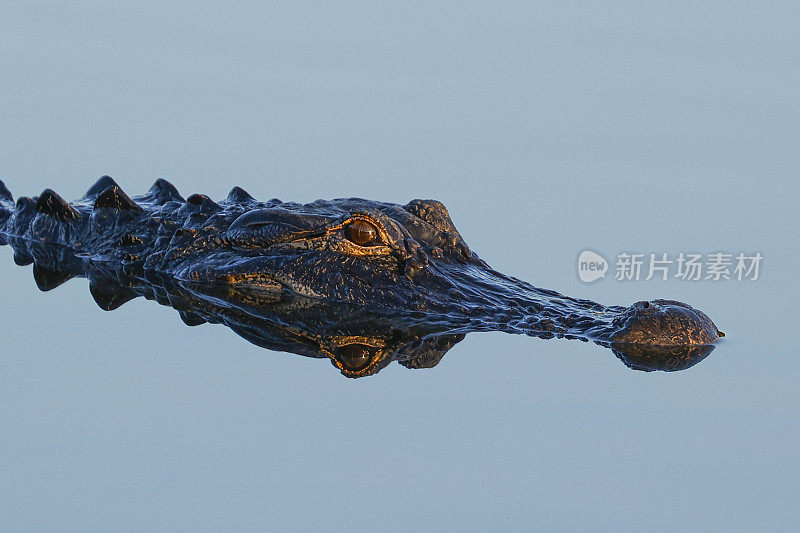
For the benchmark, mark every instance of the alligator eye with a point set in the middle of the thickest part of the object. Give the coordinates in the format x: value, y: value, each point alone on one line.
x: 361, y: 232
x: 354, y: 357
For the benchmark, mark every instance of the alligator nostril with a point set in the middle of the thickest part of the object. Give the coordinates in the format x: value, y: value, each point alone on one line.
x: 667, y: 324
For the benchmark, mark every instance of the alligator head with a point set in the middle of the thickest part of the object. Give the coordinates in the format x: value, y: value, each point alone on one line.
x: 411, y: 257
x: 346, y: 250
x: 381, y: 256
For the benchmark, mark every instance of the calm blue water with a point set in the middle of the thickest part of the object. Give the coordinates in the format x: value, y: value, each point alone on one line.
x: 546, y: 129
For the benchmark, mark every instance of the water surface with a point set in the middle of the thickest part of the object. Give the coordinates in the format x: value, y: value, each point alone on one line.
x: 546, y: 130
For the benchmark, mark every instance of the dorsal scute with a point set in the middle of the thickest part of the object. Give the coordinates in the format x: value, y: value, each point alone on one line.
x: 47, y: 280
x: 5, y: 194
x: 202, y: 204
x: 160, y: 193
x: 53, y: 205
x: 25, y: 206
x: 100, y: 186
x: 239, y: 196
x: 115, y: 198
x: 191, y: 319
x: 109, y: 297
x: 22, y: 257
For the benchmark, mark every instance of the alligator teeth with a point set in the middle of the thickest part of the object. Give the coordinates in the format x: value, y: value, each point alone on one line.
x: 252, y: 281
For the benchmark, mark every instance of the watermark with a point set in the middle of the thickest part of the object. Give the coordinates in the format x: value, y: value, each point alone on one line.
x: 686, y: 266
x: 591, y: 266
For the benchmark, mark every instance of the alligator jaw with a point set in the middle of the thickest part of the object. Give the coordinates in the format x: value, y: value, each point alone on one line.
x: 250, y: 282
x: 514, y: 306
x: 253, y: 275
x: 486, y: 298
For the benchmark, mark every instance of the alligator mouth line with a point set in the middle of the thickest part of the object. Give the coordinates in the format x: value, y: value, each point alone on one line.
x: 253, y: 280
x: 260, y: 282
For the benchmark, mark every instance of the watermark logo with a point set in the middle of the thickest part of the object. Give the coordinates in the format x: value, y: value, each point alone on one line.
x: 591, y: 266
x: 686, y: 266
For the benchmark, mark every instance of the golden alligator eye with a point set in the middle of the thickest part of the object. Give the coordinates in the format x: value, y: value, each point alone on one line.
x: 361, y: 232
x: 354, y: 357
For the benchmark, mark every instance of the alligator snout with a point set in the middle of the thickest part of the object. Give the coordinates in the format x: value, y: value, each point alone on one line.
x: 664, y: 323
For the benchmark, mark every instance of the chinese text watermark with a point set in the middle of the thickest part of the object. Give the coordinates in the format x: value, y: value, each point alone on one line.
x: 687, y: 266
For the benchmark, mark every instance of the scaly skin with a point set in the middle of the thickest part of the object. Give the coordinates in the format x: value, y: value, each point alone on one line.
x: 380, y: 256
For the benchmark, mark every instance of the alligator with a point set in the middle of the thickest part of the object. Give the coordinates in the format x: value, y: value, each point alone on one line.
x: 358, y: 340
x: 357, y: 281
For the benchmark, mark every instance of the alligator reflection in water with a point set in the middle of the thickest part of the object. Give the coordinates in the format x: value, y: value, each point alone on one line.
x: 360, y: 282
x: 357, y: 340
